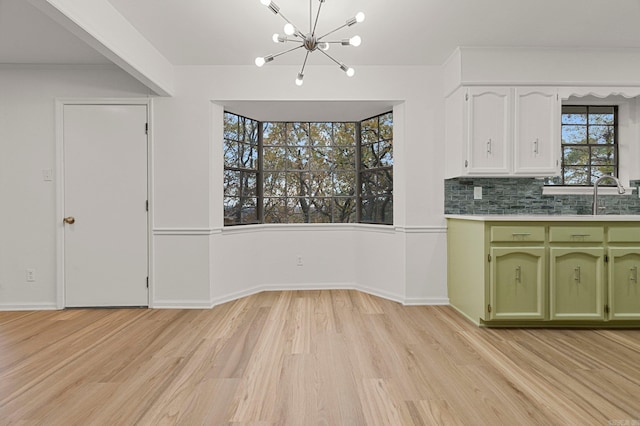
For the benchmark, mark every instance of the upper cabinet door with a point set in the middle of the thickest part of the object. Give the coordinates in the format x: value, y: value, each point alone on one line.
x: 488, y: 130
x: 537, y: 132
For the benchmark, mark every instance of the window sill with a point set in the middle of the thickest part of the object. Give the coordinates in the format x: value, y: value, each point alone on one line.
x: 584, y: 190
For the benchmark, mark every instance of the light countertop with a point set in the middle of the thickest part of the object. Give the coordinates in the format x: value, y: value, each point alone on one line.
x: 547, y: 218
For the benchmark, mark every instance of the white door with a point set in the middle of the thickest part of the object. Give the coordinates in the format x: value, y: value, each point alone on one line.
x: 105, y: 194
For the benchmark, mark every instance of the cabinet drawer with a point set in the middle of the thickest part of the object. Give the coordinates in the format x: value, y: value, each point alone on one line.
x: 576, y: 234
x: 517, y: 233
x: 624, y: 234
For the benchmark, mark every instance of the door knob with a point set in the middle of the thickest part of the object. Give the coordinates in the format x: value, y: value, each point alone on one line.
x: 70, y: 220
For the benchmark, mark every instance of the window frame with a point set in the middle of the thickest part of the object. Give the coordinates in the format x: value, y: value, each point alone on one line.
x: 590, y: 146
x: 357, y: 196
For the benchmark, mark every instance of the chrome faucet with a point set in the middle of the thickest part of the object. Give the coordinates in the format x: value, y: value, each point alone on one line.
x: 621, y: 190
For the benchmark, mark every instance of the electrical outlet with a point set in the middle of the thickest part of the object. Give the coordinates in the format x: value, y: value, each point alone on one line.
x: 477, y: 193
x: 30, y: 274
x: 299, y: 260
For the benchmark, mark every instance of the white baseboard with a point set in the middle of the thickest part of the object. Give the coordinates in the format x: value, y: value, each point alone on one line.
x: 181, y: 304
x: 426, y: 301
x: 29, y: 307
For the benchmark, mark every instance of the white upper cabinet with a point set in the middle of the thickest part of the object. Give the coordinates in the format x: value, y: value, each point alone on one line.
x: 502, y: 131
x: 536, y: 131
x: 488, y: 130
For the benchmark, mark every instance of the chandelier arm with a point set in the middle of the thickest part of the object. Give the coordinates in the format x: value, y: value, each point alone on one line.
x: 275, y: 55
x: 331, y: 32
x: 304, y: 64
x: 330, y: 57
x: 313, y: 31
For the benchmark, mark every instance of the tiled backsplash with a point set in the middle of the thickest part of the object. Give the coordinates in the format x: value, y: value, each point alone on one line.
x: 524, y: 196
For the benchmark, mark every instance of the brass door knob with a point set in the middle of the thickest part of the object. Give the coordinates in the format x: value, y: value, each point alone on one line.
x: 70, y: 220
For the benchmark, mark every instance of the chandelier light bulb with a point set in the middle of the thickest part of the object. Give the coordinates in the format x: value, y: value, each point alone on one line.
x: 299, y: 80
x: 359, y: 17
x: 260, y: 61
x: 276, y: 38
x: 289, y: 29
x: 323, y: 46
x: 350, y: 72
x: 355, y: 41
x: 265, y: 2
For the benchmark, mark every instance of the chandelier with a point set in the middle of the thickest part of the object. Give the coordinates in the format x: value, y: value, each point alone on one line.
x: 310, y: 41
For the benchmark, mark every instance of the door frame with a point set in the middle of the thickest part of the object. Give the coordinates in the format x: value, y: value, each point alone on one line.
x: 59, y: 177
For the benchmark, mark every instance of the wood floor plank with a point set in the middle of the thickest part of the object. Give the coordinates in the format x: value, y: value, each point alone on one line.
x: 334, y: 357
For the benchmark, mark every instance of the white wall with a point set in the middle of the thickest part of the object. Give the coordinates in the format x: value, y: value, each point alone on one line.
x: 195, y: 261
x: 383, y: 260
x: 27, y: 146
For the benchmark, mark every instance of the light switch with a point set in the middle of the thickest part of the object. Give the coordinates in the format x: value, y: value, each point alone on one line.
x: 477, y: 193
x: 47, y: 175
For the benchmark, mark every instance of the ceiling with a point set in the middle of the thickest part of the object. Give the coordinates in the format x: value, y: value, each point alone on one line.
x: 398, y: 32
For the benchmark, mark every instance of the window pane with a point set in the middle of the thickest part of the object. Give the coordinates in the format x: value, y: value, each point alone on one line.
x: 275, y: 158
x: 320, y: 158
x: 298, y: 210
x: 231, y: 183
x: 298, y: 158
x: 601, y: 135
x: 344, y: 134
x: 576, y: 156
x: 321, y: 134
x: 249, y: 156
x: 231, y: 126
x: 343, y: 158
x: 297, y: 184
x: 378, y: 210
x: 298, y: 134
x: 344, y: 183
x: 274, y: 184
x: 369, y: 130
x: 275, y: 210
x: 251, y: 132
x: 230, y: 153
x: 249, y: 184
x: 574, y: 134
x: 603, y: 155
x: 386, y: 153
x: 320, y: 210
x: 601, y: 115
x: 386, y: 126
x: 320, y: 184
x: 369, y: 156
x: 598, y: 172
x: 276, y: 134
x: 377, y: 183
x: 249, y: 212
x: 231, y: 210
x: 576, y: 175
x: 574, y: 115
x: 344, y: 210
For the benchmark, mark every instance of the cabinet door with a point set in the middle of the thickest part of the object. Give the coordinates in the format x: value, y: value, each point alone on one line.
x: 537, y: 132
x: 576, y: 283
x: 488, y: 131
x: 517, y: 283
x: 624, y: 290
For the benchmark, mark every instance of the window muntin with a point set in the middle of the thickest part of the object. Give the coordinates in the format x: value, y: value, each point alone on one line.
x: 589, y: 144
x: 284, y: 172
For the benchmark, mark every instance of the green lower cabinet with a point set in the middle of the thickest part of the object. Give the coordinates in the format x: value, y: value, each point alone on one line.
x: 624, y: 289
x: 517, y: 281
x: 576, y: 286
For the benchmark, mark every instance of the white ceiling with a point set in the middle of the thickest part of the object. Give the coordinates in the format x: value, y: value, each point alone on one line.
x: 398, y: 32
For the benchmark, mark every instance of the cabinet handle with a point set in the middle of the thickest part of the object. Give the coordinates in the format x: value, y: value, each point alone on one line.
x: 518, y: 273
x: 489, y: 147
x: 535, y: 147
x: 520, y: 234
x: 634, y: 275
x: 576, y: 275
x: 580, y: 235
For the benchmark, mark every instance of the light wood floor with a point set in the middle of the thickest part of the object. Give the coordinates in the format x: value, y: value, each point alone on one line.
x: 308, y: 358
